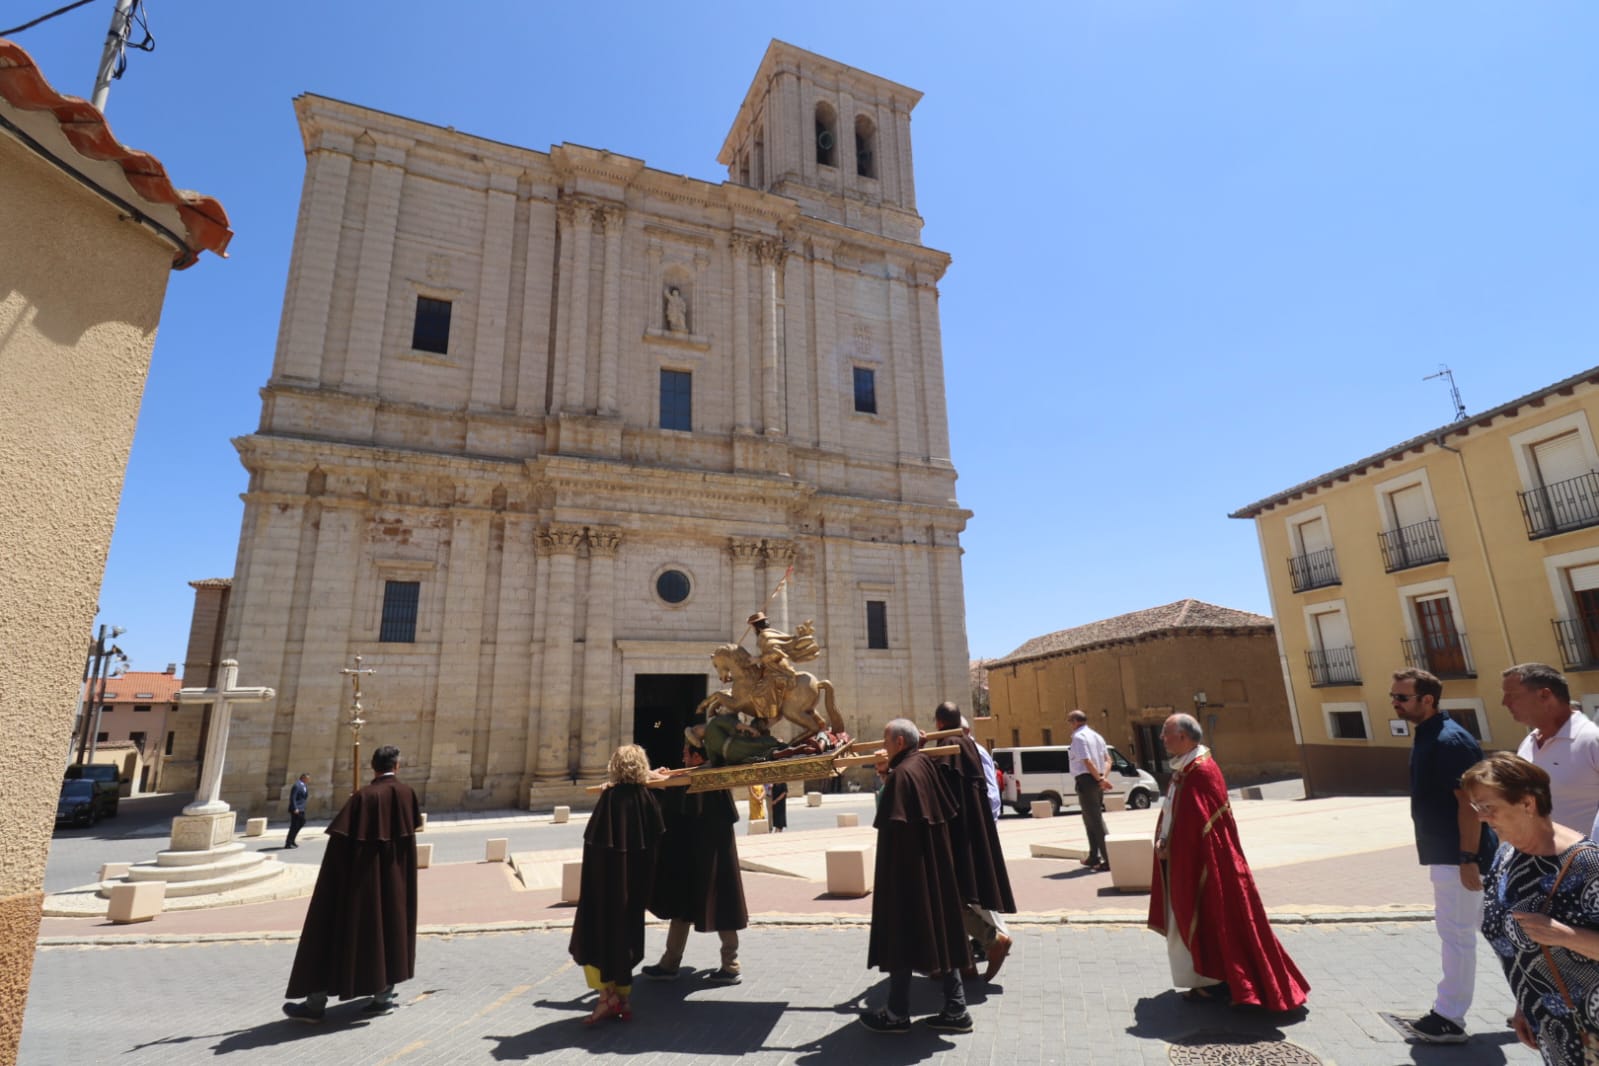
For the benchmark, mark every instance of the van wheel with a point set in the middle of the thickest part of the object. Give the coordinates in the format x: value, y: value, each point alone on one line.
x: 1138, y: 799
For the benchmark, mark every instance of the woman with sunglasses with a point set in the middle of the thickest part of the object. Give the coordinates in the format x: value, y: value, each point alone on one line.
x: 1541, y: 908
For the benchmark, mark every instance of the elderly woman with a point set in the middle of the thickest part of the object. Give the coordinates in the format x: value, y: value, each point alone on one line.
x: 1541, y: 908
x: 619, y: 852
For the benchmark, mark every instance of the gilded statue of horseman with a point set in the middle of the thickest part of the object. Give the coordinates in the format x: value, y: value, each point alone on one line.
x: 765, y: 686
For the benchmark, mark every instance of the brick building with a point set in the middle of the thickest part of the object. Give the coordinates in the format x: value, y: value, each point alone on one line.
x: 545, y: 427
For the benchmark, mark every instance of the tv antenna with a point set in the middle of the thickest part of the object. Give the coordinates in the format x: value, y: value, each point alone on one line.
x: 1454, y: 390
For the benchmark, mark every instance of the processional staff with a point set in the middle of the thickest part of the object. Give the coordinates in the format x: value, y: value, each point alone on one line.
x: 356, y: 722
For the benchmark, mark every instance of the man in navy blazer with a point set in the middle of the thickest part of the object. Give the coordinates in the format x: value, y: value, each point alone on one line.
x: 297, y: 797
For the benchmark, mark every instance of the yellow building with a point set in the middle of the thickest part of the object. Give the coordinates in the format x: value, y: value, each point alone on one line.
x: 1461, y: 551
x: 1130, y: 672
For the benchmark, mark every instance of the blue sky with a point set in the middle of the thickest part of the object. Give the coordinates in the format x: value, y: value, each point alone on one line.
x: 1202, y: 251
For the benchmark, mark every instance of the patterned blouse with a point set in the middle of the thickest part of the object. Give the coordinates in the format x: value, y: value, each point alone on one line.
x: 1521, y: 882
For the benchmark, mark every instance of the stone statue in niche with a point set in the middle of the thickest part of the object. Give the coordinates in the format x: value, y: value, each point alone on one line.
x: 676, y: 310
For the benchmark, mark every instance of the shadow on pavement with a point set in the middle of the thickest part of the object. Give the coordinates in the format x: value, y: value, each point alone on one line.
x: 1485, y: 1049
x: 272, y: 1033
x: 1168, y: 1017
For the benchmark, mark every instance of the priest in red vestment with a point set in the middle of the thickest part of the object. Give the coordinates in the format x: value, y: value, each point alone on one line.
x: 1204, y: 899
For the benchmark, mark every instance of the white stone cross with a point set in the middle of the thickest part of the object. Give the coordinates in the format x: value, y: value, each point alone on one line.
x: 207, y: 798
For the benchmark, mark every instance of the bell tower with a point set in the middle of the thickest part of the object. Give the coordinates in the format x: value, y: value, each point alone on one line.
x: 836, y: 139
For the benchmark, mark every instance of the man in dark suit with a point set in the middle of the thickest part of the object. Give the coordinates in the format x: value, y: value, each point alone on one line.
x: 297, y: 797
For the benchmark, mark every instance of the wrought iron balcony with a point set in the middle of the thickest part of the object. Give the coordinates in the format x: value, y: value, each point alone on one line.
x: 1562, y: 506
x: 1579, y: 644
x: 1443, y: 655
x: 1332, y: 666
x: 1313, y: 570
x: 1414, y: 545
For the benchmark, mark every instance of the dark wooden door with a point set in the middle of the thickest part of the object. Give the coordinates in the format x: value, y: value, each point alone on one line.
x: 1440, y: 639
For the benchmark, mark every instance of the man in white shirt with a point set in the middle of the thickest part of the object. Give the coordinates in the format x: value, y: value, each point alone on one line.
x: 1563, y: 742
x: 1090, y: 762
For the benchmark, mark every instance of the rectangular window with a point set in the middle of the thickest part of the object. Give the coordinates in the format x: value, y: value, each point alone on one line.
x: 102, y: 738
x: 1046, y: 762
x: 1049, y: 737
x: 677, y: 399
x: 431, y: 331
x: 1347, y: 725
x: 1015, y: 738
x: 171, y: 738
x: 865, y: 390
x: 876, y: 624
x: 143, y: 707
x: 400, y: 600
x: 1467, y: 717
x: 137, y: 737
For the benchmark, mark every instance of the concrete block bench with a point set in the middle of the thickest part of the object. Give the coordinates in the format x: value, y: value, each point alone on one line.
x: 561, y: 816
x: 1042, y: 809
x: 496, y: 849
x: 571, y: 881
x: 813, y: 799
x: 137, y: 901
x: 255, y: 827
x: 1132, y: 861
x: 424, y: 856
x: 759, y: 827
x: 849, y: 820
x: 849, y: 871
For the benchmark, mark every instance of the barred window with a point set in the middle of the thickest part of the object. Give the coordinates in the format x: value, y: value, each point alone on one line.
x: 876, y: 624
x: 400, y: 600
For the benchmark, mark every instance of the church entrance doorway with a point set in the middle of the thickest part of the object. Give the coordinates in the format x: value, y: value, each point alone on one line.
x: 663, y: 704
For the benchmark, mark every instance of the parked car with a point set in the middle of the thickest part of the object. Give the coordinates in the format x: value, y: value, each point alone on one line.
x: 107, y: 783
x: 1045, y: 774
x: 81, y: 803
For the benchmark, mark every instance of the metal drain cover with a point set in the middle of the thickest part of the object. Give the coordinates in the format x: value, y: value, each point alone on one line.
x: 1218, y: 1048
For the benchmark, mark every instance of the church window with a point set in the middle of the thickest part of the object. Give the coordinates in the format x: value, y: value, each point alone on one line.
x: 865, y: 147
x: 826, y: 136
x: 865, y: 390
x: 400, y: 599
x: 431, y: 331
x: 672, y: 586
x: 877, y: 623
x: 677, y: 399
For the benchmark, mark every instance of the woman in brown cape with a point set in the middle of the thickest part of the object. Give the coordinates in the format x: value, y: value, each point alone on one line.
x: 620, y: 847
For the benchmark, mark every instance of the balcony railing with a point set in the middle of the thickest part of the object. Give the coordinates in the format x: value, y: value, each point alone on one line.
x: 1414, y: 545
x: 1578, y: 648
x: 1562, y: 506
x: 1443, y: 655
x: 1332, y: 666
x: 1313, y: 570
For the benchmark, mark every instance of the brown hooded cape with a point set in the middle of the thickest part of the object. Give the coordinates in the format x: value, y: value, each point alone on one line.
x: 697, y: 877
x: 917, y: 899
x: 979, y: 862
x: 620, y: 848
x: 360, y: 929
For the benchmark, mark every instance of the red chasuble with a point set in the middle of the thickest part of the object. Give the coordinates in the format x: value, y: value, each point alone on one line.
x: 1213, y: 898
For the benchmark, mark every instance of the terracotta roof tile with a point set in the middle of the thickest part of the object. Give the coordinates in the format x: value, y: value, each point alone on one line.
x: 23, y: 85
x: 1182, y: 615
x: 128, y: 687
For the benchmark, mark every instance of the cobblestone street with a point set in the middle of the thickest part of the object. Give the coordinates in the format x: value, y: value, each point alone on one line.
x: 1083, y: 994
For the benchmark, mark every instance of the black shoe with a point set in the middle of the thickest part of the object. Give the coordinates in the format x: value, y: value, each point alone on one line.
x: 1436, y: 1029
x: 878, y: 1021
x: 378, y: 1007
x: 659, y: 973
x: 302, y: 1013
x: 945, y: 1022
x: 724, y: 976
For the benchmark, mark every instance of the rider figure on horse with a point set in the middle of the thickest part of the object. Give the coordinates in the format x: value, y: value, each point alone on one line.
x: 779, y: 651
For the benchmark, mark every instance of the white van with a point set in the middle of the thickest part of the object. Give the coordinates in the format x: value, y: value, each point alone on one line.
x: 1045, y: 774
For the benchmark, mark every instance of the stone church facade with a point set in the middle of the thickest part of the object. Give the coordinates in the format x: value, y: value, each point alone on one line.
x: 543, y: 428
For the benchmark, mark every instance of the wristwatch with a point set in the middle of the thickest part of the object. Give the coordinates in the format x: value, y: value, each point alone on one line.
x: 1468, y: 856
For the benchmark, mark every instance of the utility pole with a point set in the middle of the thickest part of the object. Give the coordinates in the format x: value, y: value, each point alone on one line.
x: 116, y: 40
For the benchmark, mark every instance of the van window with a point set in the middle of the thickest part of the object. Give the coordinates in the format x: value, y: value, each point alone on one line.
x: 1046, y: 762
x: 1119, y: 763
x: 1002, y: 760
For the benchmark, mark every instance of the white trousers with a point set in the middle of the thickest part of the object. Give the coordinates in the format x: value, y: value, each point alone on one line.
x: 1458, y: 914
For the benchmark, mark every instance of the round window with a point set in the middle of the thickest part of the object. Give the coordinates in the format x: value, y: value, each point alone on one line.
x: 672, y: 586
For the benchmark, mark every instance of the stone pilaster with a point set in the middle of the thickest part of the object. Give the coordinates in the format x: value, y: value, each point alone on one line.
x: 601, y: 688
x: 740, y: 246
x: 555, y: 718
x: 929, y: 341
x: 779, y: 555
x: 447, y: 731
x: 611, y: 221
x: 493, y: 290
x: 798, y: 366
x: 376, y: 267
x: 770, y: 255
x: 580, y: 232
x: 311, y: 274
x: 831, y: 379
x: 506, y: 760
x: 907, y: 407
x: 745, y: 553
x: 533, y: 369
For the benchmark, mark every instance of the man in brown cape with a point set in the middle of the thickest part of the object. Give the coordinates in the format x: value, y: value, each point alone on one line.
x: 697, y: 880
x: 359, y: 937
x: 916, y: 904
x: 979, y: 862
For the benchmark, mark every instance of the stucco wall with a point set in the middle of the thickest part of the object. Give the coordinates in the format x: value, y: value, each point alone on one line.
x: 80, y: 296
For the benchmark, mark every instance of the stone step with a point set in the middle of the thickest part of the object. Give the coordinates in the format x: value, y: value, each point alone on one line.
x: 196, y: 858
x: 196, y: 871
x: 237, y: 878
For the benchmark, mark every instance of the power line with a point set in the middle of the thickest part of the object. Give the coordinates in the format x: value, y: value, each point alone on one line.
x: 43, y: 18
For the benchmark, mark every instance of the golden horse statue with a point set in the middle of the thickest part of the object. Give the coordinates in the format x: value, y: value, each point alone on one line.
x: 760, y: 694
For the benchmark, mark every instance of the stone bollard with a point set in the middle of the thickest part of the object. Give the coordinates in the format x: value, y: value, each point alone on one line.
x: 849, y: 871
x: 111, y: 871
x: 1043, y: 809
x: 424, y: 856
x: 1115, y: 801
x: 813, y: 799
x: 849, y: 820
x: 1251, y: 792
x: 255, y: 827
x: 561, y: 815
x: 423, y: 824
x: 137, y: 901
x: 1132, y: 861
x: 571, y: 881
x: 496, y: 849
x: 759, y: 827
